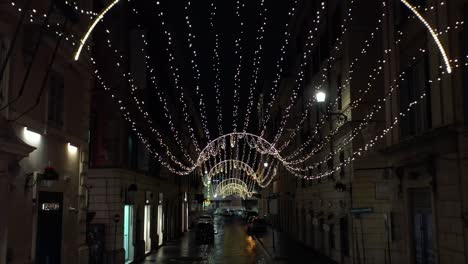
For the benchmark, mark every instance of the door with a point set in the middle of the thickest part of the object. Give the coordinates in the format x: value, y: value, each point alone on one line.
x: 49, y: 228
x: 309, y: 231
x: 147, y: 228
x: 183, y: 218
x: 160, y: 224
x: 128, y: 233
x: 421, y: 217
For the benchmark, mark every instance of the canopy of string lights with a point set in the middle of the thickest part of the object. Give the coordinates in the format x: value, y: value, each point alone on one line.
x: 213, y: 100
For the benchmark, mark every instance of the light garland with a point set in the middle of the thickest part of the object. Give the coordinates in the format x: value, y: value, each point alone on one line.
x: 298, y: 82
x: 233, y: 186
x: 433, y: 34
x: 263, y: 149
x: 193, y: 61
x: 279, y: 67
x: 256, y: 62
x: 352, y: 105
x: 91, y: 28
x: 330, y: 107
x: 237, y: 51
x: 366, y: 146
x: 139, y: 104
x: 216, y: 66
x: 176, y: 78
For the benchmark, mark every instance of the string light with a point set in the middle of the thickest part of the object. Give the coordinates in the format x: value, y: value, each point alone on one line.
x: 216, y: 67
x: 279, y: 68
x: 352, y: 105
x: 237, y: 51
x: 91, y: 28
x: 139, y: 104
x: 176, y: 78
x: 256, y: 62
x: 264, y: 150
x: 433, y: 34
x: 193, y: 61
x: 367, y: 146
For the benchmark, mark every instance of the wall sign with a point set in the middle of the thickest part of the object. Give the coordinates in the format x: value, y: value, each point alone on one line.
x: 50, y: 206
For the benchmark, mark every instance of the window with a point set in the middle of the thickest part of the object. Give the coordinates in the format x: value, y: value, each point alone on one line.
x: 56, y: 98
x: 418, y: 119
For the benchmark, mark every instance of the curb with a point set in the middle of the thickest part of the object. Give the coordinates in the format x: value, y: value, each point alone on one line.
x: 263, y: 247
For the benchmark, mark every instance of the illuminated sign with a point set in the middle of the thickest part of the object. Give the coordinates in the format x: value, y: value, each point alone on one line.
x: 50, y: 207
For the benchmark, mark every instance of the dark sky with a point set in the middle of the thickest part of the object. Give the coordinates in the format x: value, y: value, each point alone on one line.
x: 227, y: 26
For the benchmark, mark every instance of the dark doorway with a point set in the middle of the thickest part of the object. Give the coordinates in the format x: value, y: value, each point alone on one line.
x: 49, y: 228
x: 423, y: 229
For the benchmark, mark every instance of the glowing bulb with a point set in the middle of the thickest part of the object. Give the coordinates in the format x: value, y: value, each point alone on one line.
x: 265, y: 164
x: 320, y: 96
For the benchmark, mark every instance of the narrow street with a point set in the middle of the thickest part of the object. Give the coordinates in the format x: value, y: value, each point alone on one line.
x: 233, y: 245
x: 241, y: 131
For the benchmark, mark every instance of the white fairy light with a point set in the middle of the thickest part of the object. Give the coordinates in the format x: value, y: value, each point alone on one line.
x: 239, y: 52
x: 91, y: 28
x: 216, y: 66
x: 176, y: 79
x: 279, y: 68
x: 191, y: 38
x: 264, y: 149
x: 433, y: 34
x: 256, y: 62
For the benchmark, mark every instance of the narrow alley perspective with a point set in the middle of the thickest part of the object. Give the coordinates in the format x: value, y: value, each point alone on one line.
x: 234, y: 243
x: 234, y: 131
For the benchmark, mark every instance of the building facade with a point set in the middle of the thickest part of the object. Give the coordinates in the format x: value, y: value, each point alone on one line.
x: 44, y: 102
x: 135, y: 205
x: 400, y: 196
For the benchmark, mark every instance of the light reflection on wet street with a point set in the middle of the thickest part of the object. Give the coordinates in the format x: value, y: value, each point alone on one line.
x: 231, y: 245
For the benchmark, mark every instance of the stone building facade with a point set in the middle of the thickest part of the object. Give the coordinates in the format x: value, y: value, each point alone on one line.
x: 403, y: 199
x: 44, y: 102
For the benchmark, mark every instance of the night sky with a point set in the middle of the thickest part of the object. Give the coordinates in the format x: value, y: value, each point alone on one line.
x: 228, y: 27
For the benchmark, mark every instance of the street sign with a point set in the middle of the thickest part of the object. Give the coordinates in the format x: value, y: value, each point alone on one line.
x: 362, y: 210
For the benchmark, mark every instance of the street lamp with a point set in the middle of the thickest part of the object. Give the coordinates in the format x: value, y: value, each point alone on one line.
x: 320, y: 96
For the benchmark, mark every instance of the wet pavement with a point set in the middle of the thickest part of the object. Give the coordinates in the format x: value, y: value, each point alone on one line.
x: 282, y: 249
x: 232, y: 245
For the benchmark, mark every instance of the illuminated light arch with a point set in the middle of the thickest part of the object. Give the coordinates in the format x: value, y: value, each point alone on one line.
x: 433, y: 34
x: 239, y: 165
x: 233, y: 186
x: 262, y: 178
x: 260, y: 144
x: 91, y: 28
x: 254, y: 141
